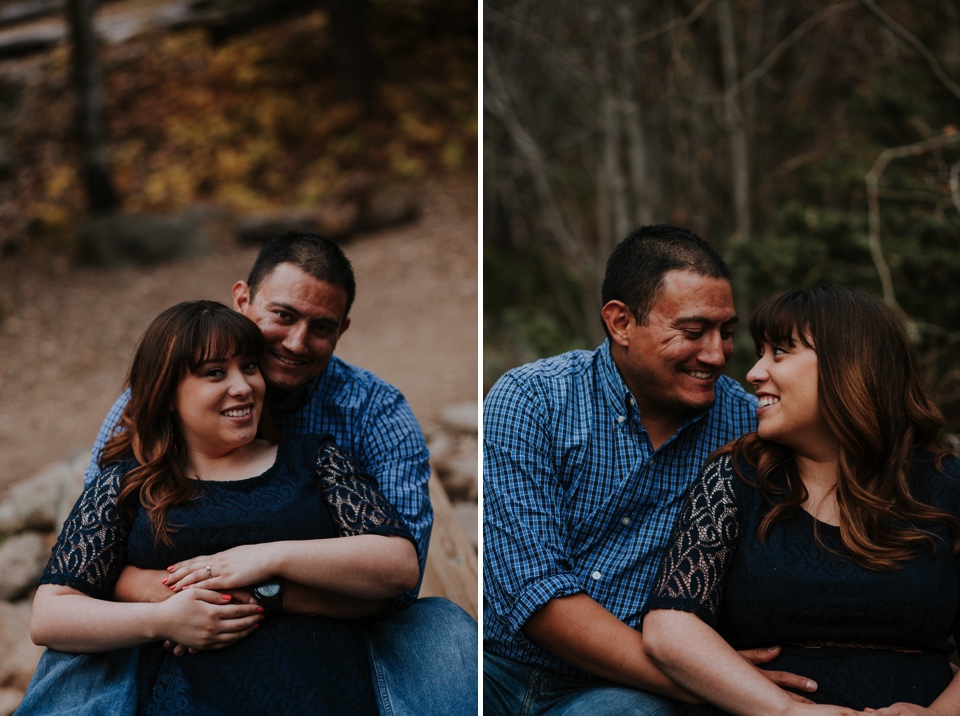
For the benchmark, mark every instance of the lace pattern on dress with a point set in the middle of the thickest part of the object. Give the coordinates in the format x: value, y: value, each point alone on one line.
x: 354, y: 500
x: 92, y: 547
x: 703, y: 542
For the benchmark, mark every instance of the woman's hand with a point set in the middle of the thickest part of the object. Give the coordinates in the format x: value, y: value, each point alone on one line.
x: 206, y: 620
x: 232, y: 569
x: 901, y: 708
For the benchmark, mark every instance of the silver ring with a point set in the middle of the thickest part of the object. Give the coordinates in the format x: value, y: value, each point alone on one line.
x: 209, y: 573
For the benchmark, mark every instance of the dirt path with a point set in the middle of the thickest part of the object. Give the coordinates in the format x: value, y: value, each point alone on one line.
x: 67, y: 334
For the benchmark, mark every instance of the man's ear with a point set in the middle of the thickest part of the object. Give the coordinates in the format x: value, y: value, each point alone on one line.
x: 343, y: 327
x: 617, y: 318
x: 241, y: 296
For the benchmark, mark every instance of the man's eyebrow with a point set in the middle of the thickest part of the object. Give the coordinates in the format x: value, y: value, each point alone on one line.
x: 286, y: 307
x: 705, y: 320
x: 322, y: 321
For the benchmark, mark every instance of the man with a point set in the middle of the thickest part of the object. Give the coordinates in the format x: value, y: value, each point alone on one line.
x: 586, y: 457
x: 299, y: 294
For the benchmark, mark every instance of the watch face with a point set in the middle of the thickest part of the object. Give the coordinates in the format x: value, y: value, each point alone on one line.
x: 269, y: 590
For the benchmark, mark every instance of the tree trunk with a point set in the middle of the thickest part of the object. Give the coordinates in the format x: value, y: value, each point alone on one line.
x: 101, y: 195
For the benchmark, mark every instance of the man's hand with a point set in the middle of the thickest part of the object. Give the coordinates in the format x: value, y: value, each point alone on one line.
x: 788, y: 680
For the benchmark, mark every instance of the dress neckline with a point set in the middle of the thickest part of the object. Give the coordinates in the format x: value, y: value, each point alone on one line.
x: 240, y: 482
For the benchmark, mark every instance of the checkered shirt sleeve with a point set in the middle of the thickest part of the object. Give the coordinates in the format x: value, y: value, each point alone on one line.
x: 575, y: 498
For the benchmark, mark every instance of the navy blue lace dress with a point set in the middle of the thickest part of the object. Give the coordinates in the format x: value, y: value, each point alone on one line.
x: 292, y: 664
x: 816, y: 603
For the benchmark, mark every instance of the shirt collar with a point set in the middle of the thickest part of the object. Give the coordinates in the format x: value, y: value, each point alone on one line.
x: 620, y: 399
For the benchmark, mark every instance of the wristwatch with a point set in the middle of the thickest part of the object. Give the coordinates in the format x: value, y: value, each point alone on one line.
x: 270, y: 596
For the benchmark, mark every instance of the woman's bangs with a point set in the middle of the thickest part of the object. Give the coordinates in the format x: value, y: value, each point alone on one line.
x: 780, y: 321
x: 221, y: 336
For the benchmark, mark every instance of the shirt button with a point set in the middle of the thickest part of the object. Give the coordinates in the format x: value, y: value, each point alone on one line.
x: 621, y: 419
x: 596, y: 575
x: 625, y: 520
x: 631, y: 401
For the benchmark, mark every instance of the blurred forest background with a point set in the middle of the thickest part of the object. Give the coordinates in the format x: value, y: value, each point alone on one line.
x: 245, y: 104
x: 812, y: 142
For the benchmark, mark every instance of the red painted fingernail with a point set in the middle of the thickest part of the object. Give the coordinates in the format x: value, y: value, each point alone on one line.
x: 164, y: 581
x: 259, y: 609
x: 226, y: 597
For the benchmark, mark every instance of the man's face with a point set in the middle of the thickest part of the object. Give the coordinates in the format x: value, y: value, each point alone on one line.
x: 301, y: 317
x: 672, y: 362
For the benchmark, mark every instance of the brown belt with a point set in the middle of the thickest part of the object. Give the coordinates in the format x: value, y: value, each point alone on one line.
x: 855, y: 645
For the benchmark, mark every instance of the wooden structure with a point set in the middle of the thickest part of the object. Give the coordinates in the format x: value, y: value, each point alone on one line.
x: 451, y: 570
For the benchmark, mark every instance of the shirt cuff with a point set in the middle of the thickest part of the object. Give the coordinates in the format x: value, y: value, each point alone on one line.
x: 539, y: 594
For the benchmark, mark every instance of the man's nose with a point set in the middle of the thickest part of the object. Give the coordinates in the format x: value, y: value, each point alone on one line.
x: 712, y: 351
x: 296, y: 339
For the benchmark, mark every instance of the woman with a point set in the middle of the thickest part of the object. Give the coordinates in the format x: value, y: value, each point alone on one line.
x: 198, y: 485
x: 831, y: 530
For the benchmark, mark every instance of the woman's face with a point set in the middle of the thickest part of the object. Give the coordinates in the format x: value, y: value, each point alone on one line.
x: 219, y: 407
x: 785, y: 379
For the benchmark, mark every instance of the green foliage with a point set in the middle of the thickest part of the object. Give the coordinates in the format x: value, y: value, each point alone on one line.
x: 522, y: 320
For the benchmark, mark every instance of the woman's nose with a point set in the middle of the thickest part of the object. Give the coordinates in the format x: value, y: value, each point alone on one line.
x: 758, y: 373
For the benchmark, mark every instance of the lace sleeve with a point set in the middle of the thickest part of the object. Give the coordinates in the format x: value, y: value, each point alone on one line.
x: 92, y: 547
x: 353, y: 498
x: 698, y: 554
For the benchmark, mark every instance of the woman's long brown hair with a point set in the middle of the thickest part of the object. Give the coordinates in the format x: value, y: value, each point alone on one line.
x: 176, y: 343
x: 871, y: 397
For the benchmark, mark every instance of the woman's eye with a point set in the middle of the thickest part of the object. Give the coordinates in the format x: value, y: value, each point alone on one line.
x: 779, y: 350
x: 250, y: 366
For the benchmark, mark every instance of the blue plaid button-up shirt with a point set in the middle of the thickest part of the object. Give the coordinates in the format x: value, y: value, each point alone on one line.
x: 368, y: 418
x: 575, y: 499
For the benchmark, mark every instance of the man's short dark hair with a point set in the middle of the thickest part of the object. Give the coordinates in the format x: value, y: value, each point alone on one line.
x: 636, y: 268
x: 313, y: 254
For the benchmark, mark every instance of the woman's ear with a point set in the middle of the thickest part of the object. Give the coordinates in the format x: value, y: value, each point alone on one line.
x: 617, y: 318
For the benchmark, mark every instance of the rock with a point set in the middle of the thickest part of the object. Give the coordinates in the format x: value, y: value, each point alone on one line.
x: 43, y: 501
x: 120, y: 239
x: 18, y: 655
x: 462, y: 418
x: 459, y: 476
x: 439, y: 443
x: 22, y: 559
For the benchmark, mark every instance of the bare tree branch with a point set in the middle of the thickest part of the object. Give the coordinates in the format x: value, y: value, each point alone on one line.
x: 785, y: 44
x: 670, y: 25
x: 912, y: 40
x: 873, y: 217
x: 496, y: 101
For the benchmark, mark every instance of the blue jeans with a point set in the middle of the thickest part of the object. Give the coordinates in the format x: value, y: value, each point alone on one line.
x: 424, y: 662
x: 513, y: 688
